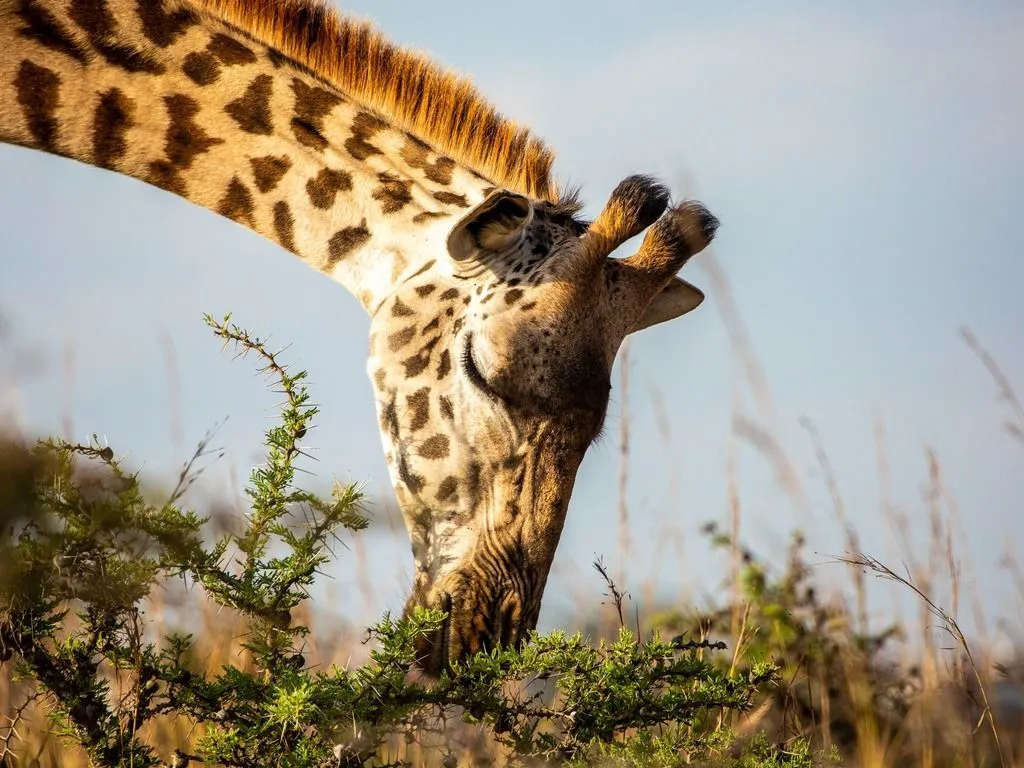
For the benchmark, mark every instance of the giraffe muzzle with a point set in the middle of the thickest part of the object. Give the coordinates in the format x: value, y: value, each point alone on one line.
x: 474, y: 623
x: 432, y: 650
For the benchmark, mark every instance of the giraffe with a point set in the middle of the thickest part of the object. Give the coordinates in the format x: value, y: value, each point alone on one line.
x: 495, y: 311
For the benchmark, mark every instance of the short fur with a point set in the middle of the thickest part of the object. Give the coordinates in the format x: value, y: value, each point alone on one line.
x: 444, y: 109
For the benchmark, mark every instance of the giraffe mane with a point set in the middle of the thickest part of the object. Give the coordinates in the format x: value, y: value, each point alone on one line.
x: 414, y: 92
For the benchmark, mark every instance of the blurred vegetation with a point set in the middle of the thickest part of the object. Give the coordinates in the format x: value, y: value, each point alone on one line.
x: 83, y: 549
x: 95, y: 669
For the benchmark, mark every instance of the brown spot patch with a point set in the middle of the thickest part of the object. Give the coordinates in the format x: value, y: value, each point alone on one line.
x: 344, y: 241
x: 416, y: 154
x: 399, y: 309
x: 160, y: 27
x: 237, y: 203
x: 473, y: 480
x: 364, y: 127
x: 252, y: 110
x: 419, y: 408
x: 424, y: 216
x: 185, y: 141
x: 432, y: 326
x: 201, y: 68
x: 324, y: 187
x: 450, y: 198
x: 425, y: 268
x: 412, y: 481
x: 99, y: 25
x: 43, y: 27
x: 284, y: 225
x: 311, y: 107
x: 268, y: 170
x: 415, y: 365
x: 444, y: 366
x: 435, y: 447
x: 446, y: 408
x: 38, y: 93
x: 230, y: 52
x: 305, y: 134
x: 389, y: 420
x: 399, y: 339
x: 415, y: 147
x: 278, y: 59
x: 511, y: 297
x: 425, y: 290
x: 449, y: 295
x: 429, y: 347
x: 393, y: 193
x: 448, y: 488
x: 110, y: 124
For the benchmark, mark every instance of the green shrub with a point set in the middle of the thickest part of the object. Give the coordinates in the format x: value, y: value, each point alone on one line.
x: 82, y: 549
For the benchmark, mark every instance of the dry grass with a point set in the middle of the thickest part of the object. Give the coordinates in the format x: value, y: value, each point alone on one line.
x: 928, y: 705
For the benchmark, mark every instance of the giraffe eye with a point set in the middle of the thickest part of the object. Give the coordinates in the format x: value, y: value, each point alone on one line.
x: 472, y: 370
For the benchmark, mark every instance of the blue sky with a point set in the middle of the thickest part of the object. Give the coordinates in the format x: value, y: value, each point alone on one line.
x: 866, y: 162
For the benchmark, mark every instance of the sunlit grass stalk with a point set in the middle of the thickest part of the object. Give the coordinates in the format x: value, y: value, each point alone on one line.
x: 949, y: 624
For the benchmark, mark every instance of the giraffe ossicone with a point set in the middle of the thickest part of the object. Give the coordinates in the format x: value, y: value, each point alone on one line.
x: 495, y: 311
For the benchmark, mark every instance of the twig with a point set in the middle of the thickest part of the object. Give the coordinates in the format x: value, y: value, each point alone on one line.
x: 616, y: 596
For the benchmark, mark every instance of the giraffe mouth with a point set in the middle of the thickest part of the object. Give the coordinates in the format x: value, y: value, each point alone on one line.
x: 465, y: 631
x: 433, y: 650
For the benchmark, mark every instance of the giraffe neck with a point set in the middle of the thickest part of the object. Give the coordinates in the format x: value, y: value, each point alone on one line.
x: 186, y: 102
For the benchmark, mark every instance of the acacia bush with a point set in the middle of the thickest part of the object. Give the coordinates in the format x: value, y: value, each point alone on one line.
x: 82, y: 549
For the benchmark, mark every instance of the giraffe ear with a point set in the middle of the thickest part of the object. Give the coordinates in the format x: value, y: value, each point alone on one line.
x: 674, y: 300
x: 495, y: 224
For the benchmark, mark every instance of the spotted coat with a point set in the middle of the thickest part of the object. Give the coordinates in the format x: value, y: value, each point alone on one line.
x: 495, y: 311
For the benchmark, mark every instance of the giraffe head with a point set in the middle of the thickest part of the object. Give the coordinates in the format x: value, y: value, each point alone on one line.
x: 492, y: 369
